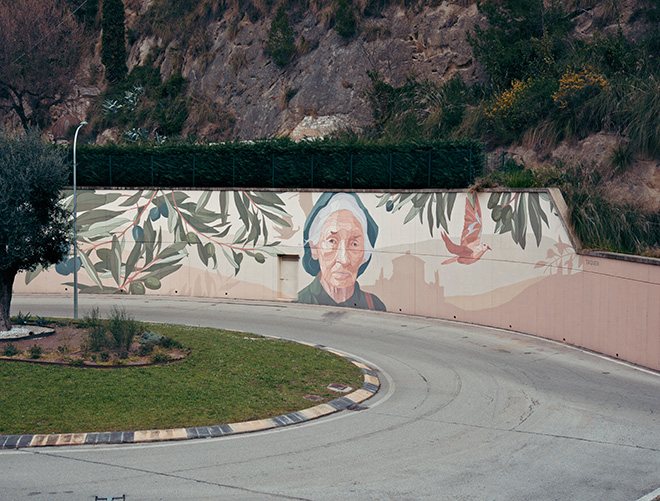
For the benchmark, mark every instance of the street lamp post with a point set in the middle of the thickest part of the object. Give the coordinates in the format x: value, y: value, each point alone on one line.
x: 75, y: 228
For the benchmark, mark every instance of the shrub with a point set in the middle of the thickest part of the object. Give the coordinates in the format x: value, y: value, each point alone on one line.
x: 520, y: 106
x: 92, y: 318
x: 35, y: 351
x: 170, y: 343
x: 575, y: 87
x: 523, y: 39
x: 97, y: 338
x: 150, y: 338
x: 145, y: 349
x: 639, y: 115
x: 97, y: 334
x: 159, y: 356
x: 10, y: 350
x: 41, y: 321
x: 122, y: 327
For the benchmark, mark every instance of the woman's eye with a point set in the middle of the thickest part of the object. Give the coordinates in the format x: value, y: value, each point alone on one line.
x: 332, y: 241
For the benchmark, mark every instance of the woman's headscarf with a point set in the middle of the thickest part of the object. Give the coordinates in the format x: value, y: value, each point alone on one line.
x: 327, y: 204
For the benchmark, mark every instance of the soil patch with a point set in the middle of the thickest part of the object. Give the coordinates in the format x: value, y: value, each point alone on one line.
x: 69, y: 345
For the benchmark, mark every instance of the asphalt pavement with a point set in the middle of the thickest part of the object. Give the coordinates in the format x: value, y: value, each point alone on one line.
x: 463, y: 413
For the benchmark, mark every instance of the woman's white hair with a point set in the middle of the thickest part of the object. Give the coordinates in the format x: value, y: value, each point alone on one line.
x: 341, y: 201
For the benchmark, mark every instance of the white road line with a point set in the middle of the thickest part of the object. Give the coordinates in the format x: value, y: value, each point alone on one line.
x: 650, y: 497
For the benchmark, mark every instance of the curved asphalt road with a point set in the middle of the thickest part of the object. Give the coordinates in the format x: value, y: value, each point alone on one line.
x: 464, y: 413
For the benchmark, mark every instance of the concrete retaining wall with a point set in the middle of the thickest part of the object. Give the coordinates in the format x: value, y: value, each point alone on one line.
x: 503, y: 259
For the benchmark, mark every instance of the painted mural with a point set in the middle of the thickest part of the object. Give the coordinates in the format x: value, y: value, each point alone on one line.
x: 502, y: 259
x: 131, y: 242
x: 355, y: 249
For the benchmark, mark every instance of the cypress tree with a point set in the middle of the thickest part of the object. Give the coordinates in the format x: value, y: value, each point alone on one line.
x: 346, y: 23
x: 281, y: 45
x: 113, y: 41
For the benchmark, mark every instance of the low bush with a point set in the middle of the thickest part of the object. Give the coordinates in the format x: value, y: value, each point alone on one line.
x: 35, y: 352
x: 10, y: 350
x: 145, y: 349
x: 159, y: 356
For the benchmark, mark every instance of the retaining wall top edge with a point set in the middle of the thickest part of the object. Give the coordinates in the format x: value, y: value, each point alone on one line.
x: 317, y: 190
x: 621, y: 257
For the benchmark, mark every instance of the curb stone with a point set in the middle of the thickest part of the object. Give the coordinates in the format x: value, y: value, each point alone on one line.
x: 369, y: 388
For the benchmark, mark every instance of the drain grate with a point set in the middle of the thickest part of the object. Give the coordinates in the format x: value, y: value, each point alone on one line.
x: 342, y: 388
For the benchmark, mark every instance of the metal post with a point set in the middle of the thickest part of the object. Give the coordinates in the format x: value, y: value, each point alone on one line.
x: 390, y: 171
x: 429, y: 169
x: 75, y: 227
x: 351, y: 180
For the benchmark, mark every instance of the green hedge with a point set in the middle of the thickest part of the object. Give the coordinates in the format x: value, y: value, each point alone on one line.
x: 328, y: 164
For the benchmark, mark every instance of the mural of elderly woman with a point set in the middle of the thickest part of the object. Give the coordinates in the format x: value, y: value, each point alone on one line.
x: 338, y: 237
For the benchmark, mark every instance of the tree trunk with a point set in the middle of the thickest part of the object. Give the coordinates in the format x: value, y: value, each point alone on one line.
x: 6, y: 285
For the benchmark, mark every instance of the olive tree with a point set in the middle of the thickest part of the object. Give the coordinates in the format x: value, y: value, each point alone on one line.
x: 35, y: 225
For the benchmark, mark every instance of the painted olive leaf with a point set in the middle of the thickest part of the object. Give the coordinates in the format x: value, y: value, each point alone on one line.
x: 147, y: 239
x: 512, y: 213
x: 132, y: 200
x: 516, y: 213
x: 421, y: 204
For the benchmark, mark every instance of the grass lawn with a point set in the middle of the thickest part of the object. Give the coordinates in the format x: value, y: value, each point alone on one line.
x: 228, y: 377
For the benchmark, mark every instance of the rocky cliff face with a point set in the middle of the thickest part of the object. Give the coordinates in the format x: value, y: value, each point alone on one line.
x: 328, y: 78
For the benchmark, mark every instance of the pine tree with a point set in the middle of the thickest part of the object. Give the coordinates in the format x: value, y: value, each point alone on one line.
x: 113, y: 41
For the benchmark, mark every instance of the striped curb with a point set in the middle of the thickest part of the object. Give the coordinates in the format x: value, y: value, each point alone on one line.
x: 369, y: 388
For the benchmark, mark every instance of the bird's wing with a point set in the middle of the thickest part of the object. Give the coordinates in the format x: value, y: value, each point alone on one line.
x: 459, y: 250
x: 471, y: 235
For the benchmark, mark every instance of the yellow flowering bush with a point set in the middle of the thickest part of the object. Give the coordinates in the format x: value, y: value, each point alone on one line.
x: 577, y: 86
x: 521, y: 105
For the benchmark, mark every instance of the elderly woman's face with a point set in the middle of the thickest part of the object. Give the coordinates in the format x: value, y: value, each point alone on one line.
x: 340, y: 249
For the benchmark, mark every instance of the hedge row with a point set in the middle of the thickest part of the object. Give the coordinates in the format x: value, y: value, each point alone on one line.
x: 327, y: 164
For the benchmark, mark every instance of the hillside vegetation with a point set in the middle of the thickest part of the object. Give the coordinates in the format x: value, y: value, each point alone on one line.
x: 513, y: 74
